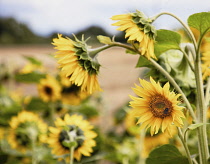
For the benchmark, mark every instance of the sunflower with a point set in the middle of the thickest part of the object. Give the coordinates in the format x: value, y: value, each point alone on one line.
x: 73, y: 95
x: 149, y: 142
x: 206, y: 64
x: 138, y: 28
x: 49, y: 89
x: 77, y: 64
x: 156, y: 107
x: 79, y: 128
x: 23, y: 128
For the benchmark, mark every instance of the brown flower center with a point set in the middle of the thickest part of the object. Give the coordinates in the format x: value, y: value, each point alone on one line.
x: 160, y: 106
x: 48, y: 90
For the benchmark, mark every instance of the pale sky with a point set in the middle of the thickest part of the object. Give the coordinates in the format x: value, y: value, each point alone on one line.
x: 70, y: 16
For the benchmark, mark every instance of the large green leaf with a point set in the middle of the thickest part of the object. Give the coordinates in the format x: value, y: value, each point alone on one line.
x: 166, y: 154
x: 166, y: 40
x: 200, y: 21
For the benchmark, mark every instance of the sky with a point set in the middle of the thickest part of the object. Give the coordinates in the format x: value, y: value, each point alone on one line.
x: 70, y: 16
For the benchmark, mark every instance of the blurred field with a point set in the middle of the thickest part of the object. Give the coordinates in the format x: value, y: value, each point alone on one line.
x: 118, y: 73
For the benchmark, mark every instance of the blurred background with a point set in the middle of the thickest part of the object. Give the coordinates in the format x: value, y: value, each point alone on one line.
x: 27, y: 28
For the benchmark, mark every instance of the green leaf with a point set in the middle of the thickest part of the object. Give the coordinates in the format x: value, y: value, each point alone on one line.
x: 200, y: 21
x: 32, y: 77
x: 33, y: 60
x: 104, y: 39
x: 143, y: 62
x: 166, y: 40
x: 166, y: 154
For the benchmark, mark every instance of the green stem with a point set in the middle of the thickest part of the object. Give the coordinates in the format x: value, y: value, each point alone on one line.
x: 202, y: 133
x: 71, y: 155
x: 207, y: 94
x: 176, y: 86
x: 94, y: 52
x: 51, y: 113
x: 183, y: 24
x: 185, y: 145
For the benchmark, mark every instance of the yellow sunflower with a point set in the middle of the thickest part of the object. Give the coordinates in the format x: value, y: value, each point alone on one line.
x: 81, y: 131
x: 138, y: 28
x: 28, y: 68
x: 77, y: 64
x: 206, y: 64
x: 149, y: 142
x: 23, y: 127
x: 49, y: 89
x: 73, y: 95
x: 156, y: 107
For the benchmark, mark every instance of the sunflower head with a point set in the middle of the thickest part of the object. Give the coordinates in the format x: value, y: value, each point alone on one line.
x: 78, y: 63
x: 156, y: 107
x: 72, y: 129
x: 26, y: 128
x: 138, y: 29
x: 49, y: 89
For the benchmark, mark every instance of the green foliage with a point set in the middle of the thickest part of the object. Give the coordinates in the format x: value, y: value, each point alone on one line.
x: 200, y: 21
x: 32, y: 60
x: 166, y: 40
x: 33, y: 77
x: 166, y: 154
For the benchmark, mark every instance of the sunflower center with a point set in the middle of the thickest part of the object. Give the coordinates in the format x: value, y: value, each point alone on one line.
x: 160, y: 106
x: 48, y: 90
x: 78, y: 136
x: 23, y: 139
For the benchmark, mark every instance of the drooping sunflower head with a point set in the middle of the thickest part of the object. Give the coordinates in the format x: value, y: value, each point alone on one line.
x: 26, y: 127
x: 77, y: 63
x: 72, y: 127
x: 206, y: 64
x: 73, y: 95
x: 156, y: 107
x: 49, y: 89
x: 138, y: 28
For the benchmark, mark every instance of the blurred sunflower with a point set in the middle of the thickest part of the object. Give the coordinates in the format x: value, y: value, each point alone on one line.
x: 76, y: 127
x: 78, y: 63
x: 138, y: 28
x: 156, y: 107
x: 150, y: 142
x: 28, y: 68
x: 73, y: 95
x: 206, y: 64
x: 49, y: 89
x: 24, y: 128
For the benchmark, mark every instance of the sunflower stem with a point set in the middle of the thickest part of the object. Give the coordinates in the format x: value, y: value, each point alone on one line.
x: 185, y: 145
x: 94, y: 52
x: 207, y: 94
x: 176, y: 86
x: 183, y: 24
x: 51, y: 113
x: 202, y: 133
